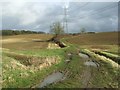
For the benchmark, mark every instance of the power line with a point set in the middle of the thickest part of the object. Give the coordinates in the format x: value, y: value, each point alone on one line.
x: 65, y: 19
x: 84, y: 5
x: 106, y: 15
x: 100, y: 10
x: 108, y: 7
x: 65, y: 23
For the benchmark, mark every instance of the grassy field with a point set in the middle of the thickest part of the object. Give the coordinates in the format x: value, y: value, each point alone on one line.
x: 105, y: 41
x: 25, y: 42
x: 19, y: 49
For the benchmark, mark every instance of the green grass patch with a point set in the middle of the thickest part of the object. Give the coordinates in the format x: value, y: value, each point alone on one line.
x: 12, y: 77
x: 20, y: 77
x: 74, y: 71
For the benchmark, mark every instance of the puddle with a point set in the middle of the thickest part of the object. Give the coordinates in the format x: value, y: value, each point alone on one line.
x: 90, y: 63
x: 83, y: 55
x: 55, y: 77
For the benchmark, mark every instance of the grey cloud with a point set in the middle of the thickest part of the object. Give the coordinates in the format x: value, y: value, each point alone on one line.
x: 78, y: 16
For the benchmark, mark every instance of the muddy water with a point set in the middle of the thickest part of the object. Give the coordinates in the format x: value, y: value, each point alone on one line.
x: 90, y: 63
x: 83, y: 55
x: 55, y: 77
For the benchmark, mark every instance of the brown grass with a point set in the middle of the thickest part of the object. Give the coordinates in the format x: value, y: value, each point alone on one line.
x: 26, y: 45
x: 106, y: 38
x: 25, y: 42
x: 29, y: 36
x: 32, y: 60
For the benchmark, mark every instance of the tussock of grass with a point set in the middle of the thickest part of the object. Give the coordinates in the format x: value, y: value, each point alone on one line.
x: 53, y: 46
x: 15, y: 66
x: 107, y: 74
x: 101, y: 58
x: 114, y: 57
x: 32, y: 60
x: 16, y: 74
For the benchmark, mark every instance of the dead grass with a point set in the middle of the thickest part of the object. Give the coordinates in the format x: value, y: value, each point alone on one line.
x: 13, y: 40
x: 29, y: 36
x: 114, y: 57
x: 26, y: 45
x: 95, y: 41
x: 53, y: 46
x: 106, y: 38
x: 17, y: 73
x: 33, y: 60
x: 25, y: 42
x: 102, y: 58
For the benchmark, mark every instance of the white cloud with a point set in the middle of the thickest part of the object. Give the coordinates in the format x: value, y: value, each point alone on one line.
x: 28, y: 17
x: 27, y: 13
x: 62, y: 0
x: 0, y: 19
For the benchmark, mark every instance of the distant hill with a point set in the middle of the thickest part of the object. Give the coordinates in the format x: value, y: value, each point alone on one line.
x: 18, y: 32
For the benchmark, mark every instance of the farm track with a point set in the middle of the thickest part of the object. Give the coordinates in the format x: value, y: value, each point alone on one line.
x: 88, y: 72
x: 86, y: 77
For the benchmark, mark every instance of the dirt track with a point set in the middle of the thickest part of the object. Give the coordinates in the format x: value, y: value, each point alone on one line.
x: 87, y: 73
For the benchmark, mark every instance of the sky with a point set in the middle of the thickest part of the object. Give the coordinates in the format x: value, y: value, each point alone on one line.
x: 38, y: 16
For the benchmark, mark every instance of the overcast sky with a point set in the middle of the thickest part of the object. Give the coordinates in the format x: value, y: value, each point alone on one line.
x: 38, y: 16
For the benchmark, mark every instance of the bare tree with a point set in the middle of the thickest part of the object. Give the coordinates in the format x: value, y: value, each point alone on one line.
x: 57, y: 28
x: 82, y: 30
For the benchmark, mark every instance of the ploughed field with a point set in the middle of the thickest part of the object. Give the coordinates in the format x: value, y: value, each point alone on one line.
x: 88, y: 61
x: 104, y: 38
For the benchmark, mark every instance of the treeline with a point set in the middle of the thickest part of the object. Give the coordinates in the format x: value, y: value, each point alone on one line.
x: 18, y: 32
